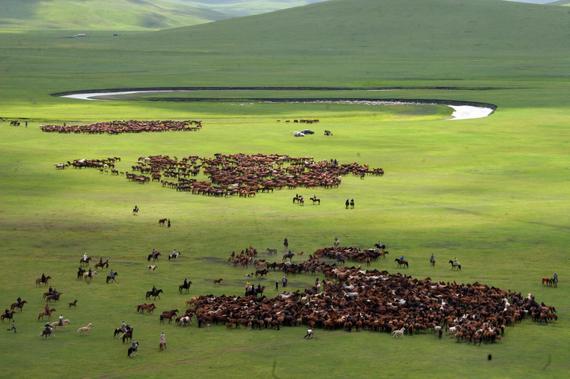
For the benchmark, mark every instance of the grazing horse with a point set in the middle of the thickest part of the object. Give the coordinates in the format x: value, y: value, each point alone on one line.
x: 401, y: 263
x: 162, y: 221
x: 455, y: 265
x: 315, y: 200
x: 149, y: 308
x: 185, y: 286
x: 154, y: 293
x: 168, y: 315
x: 549, y: 282
x: 261, y: 273
x: 218, y: 281
x: 73, y: 303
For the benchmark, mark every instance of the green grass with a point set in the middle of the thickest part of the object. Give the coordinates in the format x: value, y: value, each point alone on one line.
x: 492, y: 192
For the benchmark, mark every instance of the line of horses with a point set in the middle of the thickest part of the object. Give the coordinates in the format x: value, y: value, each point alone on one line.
x: 126, y: 126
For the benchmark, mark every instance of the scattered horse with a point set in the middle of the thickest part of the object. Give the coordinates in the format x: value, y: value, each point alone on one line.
x: 43, y: 281
x: 18, y: 305
x: 152, y: 267
x: 455, y: 265
x: 153, y: 256
x: 73, y: 304
x: 316, y: 200
x: 185, y: 286
x: 218, y: 281
x: 85, y: 329
x: 168, y: 315
x: 102, y: 263
x: 401, y: 263
x: 174, y: 255
x: 155, y: 293
x: 111, y: 277
x: 148, y: 308
x: 398, y: 333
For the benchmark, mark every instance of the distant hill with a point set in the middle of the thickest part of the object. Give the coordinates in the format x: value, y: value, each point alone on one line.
x: 127, y: 14
x: 565, y: 3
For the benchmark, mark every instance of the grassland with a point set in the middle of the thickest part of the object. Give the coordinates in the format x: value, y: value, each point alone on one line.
x: 492, y: 192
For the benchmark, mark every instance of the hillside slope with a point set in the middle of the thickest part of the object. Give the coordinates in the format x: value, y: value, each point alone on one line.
x: 127, y: 14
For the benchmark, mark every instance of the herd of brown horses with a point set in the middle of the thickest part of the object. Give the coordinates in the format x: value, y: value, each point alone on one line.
x: 128, y: 126
x: 354, y: 299
x: 241, y: 175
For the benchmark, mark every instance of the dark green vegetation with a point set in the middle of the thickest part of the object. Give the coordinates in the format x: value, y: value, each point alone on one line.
x: 492, y: 192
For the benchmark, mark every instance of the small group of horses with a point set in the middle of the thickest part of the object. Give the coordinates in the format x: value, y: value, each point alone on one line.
x: 300, y: 200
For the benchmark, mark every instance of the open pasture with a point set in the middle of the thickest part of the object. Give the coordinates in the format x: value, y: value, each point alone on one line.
x: 491, y: 192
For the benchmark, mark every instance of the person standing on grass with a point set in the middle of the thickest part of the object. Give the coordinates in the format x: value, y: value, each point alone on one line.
x: 162, y: 345
x: 346, y: 204
x: 352, y: 203
x: 12, y: 327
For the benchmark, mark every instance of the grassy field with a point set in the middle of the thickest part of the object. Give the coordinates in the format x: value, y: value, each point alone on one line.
x: 492, y: 192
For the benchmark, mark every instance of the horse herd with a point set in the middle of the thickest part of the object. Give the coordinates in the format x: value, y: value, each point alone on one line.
x: 348, y: 298
x: 128, y: 126
x: 233, y: 175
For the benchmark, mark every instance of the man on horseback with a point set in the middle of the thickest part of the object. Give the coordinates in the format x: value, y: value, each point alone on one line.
x: 135, y: 210
x: 432, y: 260
x: 60, y: 320
x: 12, y: 327
x: 43, y: 278
x: 185, y: 285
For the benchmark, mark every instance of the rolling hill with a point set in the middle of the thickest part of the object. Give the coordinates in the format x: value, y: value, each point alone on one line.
x: 127, y: 14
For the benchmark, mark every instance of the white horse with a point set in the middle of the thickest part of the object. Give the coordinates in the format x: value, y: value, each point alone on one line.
x: 64, y: 322
x: 85, y: 329
x: 152, y: 267
x: 398, y: 333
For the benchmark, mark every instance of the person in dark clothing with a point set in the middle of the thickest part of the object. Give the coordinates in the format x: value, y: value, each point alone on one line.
x: 352, y: 203
x: 346, y: 204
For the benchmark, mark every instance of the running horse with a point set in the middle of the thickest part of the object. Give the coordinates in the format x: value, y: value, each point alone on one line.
x: 154, y: 293
x: 168, y: 315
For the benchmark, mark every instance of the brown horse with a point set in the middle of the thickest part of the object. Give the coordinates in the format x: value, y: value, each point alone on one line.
x: 168, y: 315
x: 46, y: 313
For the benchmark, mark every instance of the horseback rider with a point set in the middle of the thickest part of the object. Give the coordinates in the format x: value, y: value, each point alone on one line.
x: 185, y: 285
x: 346, y: 204
x: 154, y: 289
x: 352, y: 203
x: 336, y: 242
x: 401, y: 259
x: 60, y: 320
x: 455, y: 262
x: 555, y: 278
x: 286, y: 243
x: 432, y: 260
x: 12, y: 327
x: 44, y: 278
x: 85, y: 257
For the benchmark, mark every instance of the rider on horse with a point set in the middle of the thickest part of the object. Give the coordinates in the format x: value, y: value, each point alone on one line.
x: 60, y: 320
x: 432, y: 260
